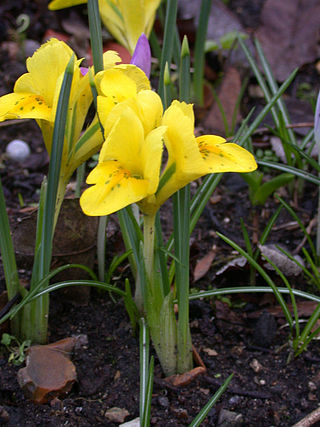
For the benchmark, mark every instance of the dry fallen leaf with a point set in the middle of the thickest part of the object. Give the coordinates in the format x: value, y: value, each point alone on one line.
x: 289, y: 34
x: 49, y: 371
x: 203, y: 265
x: 228, y: 94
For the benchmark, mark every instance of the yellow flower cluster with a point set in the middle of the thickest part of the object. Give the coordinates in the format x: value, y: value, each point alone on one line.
x: 129, y: 168
x: 135, y: 132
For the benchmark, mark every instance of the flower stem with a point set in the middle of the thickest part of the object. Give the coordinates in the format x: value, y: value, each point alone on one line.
x: 148, y: 247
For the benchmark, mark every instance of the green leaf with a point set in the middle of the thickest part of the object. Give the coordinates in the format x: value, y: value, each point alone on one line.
x: 265, y: 190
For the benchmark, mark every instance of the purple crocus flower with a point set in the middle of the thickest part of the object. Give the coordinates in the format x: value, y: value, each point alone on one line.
x: 142, y: 55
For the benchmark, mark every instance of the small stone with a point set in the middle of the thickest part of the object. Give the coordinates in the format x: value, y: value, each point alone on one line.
x: 18, y: 150
x: 180, y: 413
x: 210, y: 352
x: 4, y: 416
x: 265, y: 330
x: 235, y: 400
x: 132, y: 423
x: 163, y: 401
x: 229, y: 418
x: 312, y: 386
x: 30, y: 46
x: 116, y: 415
x: 256, y: 366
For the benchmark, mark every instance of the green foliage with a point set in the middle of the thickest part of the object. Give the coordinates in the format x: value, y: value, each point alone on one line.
x: 260, y: 191
x: 16, y: 348
x: 227, y: 41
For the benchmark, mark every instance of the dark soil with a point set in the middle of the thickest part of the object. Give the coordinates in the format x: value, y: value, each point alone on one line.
x: 245, y: 335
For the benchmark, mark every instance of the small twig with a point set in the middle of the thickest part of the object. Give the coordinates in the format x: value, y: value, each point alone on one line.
x: 309, y: 420
x: 308, y: 229
x: 14, y: 122
x: 237, y: 390
x: 289, y: 126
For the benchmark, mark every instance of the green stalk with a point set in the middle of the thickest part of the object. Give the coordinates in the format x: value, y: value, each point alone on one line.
x: 181, y: 218
x: 101, y: 246
x: 199, y: 53
x: 148, y: 247
x: 159, y: 309
x: 36, y: 327
x: 144, y: 364
x: 8, y: 258
x: 168, y: 42
x: 97, y: 58
x: 95, y: 35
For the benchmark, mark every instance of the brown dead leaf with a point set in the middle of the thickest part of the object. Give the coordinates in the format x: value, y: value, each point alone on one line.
x: 203, y: 265
x: 49, y: 371
x: 228, y: 94
x: 289, y: 34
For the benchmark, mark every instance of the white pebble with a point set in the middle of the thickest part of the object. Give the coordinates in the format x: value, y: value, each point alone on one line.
x: 18, y: 150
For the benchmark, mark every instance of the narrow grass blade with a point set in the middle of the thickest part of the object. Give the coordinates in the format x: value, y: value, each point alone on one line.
x: 199, y: 52
x: 7, y: 250
x: 267, y: 108
x: 265, y: 276
x: 54, y: 167
x: 302, y: 227
x: 147, y: 412
x: 205, y: 410
x: 28, y: 296
x: 168, y: 42
x: 285, y: 168
x: 292, y: 297
x: 144, y: 364
x: 249, y: 290
x: 274, y: 89
x: 95, y: 35
x: 184, y: 78
x: 306, y: 335
x: 101, y: 246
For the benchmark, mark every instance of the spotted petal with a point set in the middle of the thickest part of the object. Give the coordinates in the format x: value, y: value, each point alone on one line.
x: 114, y: 189
x: 24, y: 106
x: 222, y: 156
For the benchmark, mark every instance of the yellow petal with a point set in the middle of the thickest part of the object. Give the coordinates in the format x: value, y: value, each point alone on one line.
x: 24, y: 106
x: 151, y: 155
x: 147, y: 105
x: 128, y: 19
x: 117, y: 85
x: 125, y: 143
x: 61, y: 4
x: 46, y: 65
x: 135, y: 73
x: 114, y: 189
x: 221, y: 156
x: 110, y: 59
x: 181, y: 143
x: 149, y: 109
x: 112, y: 18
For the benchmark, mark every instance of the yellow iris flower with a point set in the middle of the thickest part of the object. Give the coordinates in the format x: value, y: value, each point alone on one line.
x: 128, y: 169
x: 191, y: 157
x: 125, y: 19
x: 130, y: 159
x: 36, y: 95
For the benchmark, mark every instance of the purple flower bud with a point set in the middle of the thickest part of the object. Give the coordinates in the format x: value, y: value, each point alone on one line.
x: 142, y: 55
x: 84, y: 70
